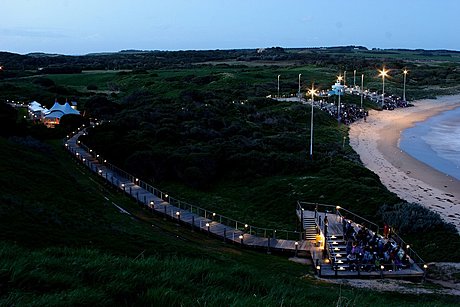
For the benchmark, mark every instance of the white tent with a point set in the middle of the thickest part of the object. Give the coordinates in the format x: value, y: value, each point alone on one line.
x: 53, y: 116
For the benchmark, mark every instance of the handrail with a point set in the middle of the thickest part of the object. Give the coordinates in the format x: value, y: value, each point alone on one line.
x: 207, y: 214
x: 412, y: 254
x: 337, y: 210
x: 360, y: 217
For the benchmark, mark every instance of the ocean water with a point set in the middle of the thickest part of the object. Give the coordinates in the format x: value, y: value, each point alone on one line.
x: 436, y: 142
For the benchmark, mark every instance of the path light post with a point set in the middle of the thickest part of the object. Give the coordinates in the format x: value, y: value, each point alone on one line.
x: 296, y: 248
x: 278, y: 96
x: 425, y: 269
x: 208, y: 226
x: 405, y: 71
x: 383, y: 74
x: 241, y: 238
x: 312, y: 91
x: 301, y: 218
x: 299, y: 88
x: 178, y: 215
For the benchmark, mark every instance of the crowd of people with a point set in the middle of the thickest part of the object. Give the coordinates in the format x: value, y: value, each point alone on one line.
x: 368, y: 251
x: 349, y: 113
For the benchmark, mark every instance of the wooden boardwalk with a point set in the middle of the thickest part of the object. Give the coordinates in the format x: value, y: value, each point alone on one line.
x: 160, y: 203
x: 185, y: 217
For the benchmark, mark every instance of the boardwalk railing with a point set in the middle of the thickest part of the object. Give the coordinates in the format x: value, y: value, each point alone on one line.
x: 339, y: 211
x: 410, y: 252
x: 237, y: 225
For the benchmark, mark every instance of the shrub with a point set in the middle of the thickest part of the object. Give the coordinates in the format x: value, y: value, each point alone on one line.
x: 412, y: 218
x: 91, y: 87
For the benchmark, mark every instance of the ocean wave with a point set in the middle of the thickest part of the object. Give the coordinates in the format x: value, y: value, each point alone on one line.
x: 436, y: 142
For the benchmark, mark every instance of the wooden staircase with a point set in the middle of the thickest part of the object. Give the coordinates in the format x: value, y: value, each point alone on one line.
x: 309, y: 225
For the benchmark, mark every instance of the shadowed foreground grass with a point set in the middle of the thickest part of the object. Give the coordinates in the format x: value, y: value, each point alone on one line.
x: 63, y: 244
x: 70, y: 276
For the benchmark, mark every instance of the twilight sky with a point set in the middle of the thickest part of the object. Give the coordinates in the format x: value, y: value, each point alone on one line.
x: 84, y: 26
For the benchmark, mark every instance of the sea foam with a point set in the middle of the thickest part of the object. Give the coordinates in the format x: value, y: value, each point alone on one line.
x: 436, y: 142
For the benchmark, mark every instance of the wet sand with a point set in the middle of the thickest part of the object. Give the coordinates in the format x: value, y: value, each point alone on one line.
x: 377, y: 143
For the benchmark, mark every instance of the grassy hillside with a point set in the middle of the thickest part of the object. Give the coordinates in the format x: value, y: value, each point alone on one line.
x: 63, y: 243
x: 204, y: 134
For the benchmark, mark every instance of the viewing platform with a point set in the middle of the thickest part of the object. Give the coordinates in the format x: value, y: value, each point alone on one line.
x: 349, y: 246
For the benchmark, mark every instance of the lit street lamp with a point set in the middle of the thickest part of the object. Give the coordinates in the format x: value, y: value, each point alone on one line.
x: 339, y: 79
x: 383, y: 74
x: 404, y: 92
x: 312, y: 91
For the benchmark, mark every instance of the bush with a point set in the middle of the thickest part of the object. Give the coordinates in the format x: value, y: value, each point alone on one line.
x: 412, y: 218
x: 45, y: 82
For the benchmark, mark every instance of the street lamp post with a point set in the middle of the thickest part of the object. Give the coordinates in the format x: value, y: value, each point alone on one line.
x: 312, y: 92
x: 299, y: 87
x: 354, y: 78
x: 339, y: 78
x: 362, y: 89
x: 278, y: 86
x: 383, y: 74
x: 404, y: 91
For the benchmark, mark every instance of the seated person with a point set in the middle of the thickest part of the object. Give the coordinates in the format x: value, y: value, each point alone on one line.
x: 352, y: 261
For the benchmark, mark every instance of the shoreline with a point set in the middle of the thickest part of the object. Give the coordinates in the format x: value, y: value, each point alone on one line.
x: 377, y: 143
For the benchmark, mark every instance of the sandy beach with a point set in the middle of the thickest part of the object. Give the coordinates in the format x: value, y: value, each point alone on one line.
x: 377, y: 143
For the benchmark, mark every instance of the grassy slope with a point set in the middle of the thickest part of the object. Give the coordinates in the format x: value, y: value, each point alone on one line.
x: 62, y: 243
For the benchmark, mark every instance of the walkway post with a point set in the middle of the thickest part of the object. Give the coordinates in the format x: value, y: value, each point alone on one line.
x: 225, y: 235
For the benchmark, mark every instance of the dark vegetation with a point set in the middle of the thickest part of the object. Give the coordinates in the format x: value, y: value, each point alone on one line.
x: 196, y: 124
